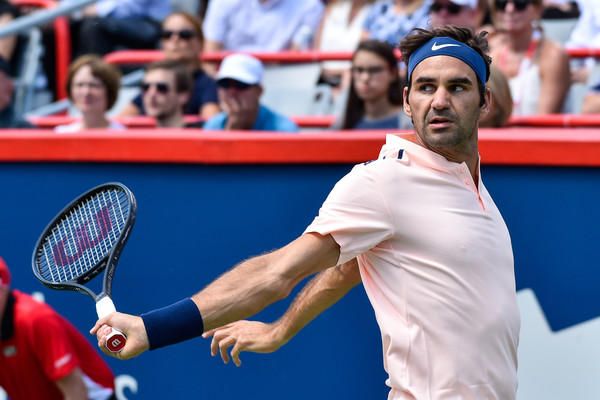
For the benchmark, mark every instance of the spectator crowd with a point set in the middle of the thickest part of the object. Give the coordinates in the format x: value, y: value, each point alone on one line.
x: 532, y: 73
x: 365, y: 91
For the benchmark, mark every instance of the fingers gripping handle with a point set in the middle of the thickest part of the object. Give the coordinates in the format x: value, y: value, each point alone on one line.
x: 116, y: 339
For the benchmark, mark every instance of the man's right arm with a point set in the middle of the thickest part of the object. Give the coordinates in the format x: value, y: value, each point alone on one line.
x: 246, y: 289
x: 320, y: 293
x: 239, y: 293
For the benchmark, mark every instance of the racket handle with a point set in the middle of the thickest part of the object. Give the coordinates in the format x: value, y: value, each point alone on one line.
x: 116, y: 339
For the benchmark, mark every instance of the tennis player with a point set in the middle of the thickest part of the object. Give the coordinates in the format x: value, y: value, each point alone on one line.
x: 43, y: 355
x: 434, y: 253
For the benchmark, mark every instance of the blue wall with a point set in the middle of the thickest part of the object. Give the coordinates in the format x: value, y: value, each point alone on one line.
x: 196, y: 221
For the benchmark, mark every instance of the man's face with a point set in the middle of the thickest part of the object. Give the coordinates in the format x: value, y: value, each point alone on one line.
x: 444, y: 105
x: 160, y: 98
x: 445, y: 12
x: 235, y: 96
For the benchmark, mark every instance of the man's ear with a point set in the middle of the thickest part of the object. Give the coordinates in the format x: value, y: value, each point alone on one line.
x: 183, y: 97
x: 487, y: 102
x: 405, y: 103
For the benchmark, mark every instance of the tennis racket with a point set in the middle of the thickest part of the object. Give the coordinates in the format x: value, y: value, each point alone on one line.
x: 84, y: 239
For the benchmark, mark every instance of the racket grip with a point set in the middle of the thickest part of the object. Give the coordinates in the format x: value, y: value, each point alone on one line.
x: 116, y: 339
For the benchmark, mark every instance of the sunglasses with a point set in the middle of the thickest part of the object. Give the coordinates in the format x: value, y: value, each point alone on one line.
x: 227, y: 83
x: 161, y: 87
x: 451, y: 8
x: 185, y: 34
x: 368, y: 70
x: 519, y: 5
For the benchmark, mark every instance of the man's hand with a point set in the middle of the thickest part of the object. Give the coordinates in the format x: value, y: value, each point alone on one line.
x: 132, y: 326
x: 241, y: 109
x: 251, y: 336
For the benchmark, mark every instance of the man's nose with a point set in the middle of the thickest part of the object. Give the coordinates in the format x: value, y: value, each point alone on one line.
x: 441, y: 99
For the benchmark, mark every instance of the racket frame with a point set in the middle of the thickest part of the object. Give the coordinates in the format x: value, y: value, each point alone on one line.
x: 108, y: 263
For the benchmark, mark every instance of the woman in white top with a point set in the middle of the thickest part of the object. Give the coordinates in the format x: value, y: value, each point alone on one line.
x: 537, y: 68
x: 92, y: 86
x: 340, y: 30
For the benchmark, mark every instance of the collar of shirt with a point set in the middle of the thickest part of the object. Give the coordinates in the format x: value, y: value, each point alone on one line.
x: 394, y: 144
x: 268, y: 4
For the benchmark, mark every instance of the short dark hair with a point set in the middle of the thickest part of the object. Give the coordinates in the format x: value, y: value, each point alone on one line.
x: 184, y: 81
x: 418, y: 37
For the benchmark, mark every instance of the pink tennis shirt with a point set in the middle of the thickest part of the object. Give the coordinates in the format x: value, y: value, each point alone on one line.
x: 436, y: 262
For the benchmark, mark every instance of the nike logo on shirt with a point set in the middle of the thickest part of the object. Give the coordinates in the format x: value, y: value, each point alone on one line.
x: 435, y: 46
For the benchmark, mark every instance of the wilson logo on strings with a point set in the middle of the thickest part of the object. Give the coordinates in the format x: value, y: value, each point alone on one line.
x: 70, y: 249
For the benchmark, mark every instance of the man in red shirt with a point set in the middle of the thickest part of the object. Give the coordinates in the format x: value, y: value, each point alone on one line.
x: 43, y: 356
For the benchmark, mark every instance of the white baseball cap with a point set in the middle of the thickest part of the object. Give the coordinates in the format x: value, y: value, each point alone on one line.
x: 241, y: 67
x: 472, y: 4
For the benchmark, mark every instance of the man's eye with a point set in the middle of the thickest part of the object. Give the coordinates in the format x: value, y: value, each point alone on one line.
x: 458, y: 88
x: 427, y: 88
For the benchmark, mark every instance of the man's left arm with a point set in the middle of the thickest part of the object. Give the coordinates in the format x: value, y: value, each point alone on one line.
x: 320, y: 293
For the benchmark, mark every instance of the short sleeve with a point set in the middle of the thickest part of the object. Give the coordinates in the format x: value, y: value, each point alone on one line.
x: 215, y: 22
x: 356, y: 213
x: 372, y: 14
x: 313, y: 16
x: 53, y: 347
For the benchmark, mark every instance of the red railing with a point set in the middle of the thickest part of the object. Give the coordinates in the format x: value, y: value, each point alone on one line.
x: 136, y: 57
x: 325, y: 121
x: 512, y: 146
x: 62, y: 38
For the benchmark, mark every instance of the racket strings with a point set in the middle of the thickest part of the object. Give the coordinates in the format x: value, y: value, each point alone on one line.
x: 84, y: 236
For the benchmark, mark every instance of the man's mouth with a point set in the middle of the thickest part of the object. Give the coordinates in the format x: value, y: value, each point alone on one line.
x: 440, y: 122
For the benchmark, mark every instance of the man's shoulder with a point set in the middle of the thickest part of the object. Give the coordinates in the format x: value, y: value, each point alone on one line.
x: 226, y: 6
x: 29, y: 309
x: 308, y: 5
x: 217, y: 121
x: 202, y: 79
x: 272, y: 120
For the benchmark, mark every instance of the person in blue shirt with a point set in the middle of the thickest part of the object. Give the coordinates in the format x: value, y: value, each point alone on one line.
x: 239, y: 90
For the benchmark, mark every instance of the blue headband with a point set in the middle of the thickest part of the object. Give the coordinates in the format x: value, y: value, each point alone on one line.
x: 445, y: 46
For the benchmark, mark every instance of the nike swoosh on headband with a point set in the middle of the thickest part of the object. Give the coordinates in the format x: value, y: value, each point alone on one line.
x: 452, y: 48
x: 435, y: 46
